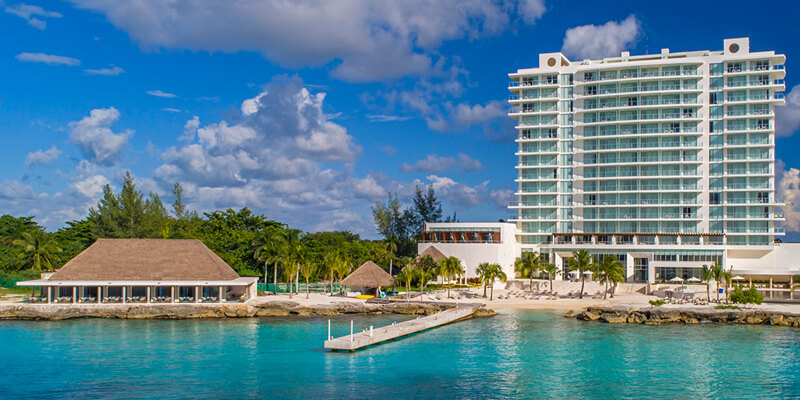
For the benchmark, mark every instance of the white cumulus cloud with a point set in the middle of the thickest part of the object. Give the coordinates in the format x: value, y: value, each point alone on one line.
x: 111, y: 71
x: 95, y: 139
x: 598, y: 41
x: 42, y: 156
x: 787, y: 118
x: 158, y: 93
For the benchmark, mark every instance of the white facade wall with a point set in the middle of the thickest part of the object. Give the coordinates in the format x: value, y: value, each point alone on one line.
x: 473, y: 254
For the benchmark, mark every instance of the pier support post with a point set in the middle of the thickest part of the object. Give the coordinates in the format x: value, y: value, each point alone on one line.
x: 329, y: 330
x: 351, y: 330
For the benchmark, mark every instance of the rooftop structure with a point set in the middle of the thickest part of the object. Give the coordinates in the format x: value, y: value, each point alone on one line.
x: 144, y: 271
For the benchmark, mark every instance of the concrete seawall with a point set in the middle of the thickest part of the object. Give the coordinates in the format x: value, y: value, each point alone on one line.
x: 255, y: 308
x: 659, y: 316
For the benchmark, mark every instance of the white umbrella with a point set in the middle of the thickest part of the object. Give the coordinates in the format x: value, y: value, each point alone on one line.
x: 737, y: 278
x: 693, y: 279
x: 676, y: 279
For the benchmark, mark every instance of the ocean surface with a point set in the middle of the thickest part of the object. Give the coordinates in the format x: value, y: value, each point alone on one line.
x: 521, y: 354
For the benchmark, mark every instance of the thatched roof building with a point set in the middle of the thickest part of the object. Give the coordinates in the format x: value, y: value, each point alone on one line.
x: 368, y: 275
x: 145, y: 270
x: 432, y: 251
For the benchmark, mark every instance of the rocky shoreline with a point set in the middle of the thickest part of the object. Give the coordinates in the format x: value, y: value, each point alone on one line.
x: 659, y: 316
x: 253, y: 309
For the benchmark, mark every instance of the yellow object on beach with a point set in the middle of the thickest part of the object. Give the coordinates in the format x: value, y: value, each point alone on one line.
x: 365, y: 296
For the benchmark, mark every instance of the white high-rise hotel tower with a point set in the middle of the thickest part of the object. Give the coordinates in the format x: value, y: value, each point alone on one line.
x: 666, y: 161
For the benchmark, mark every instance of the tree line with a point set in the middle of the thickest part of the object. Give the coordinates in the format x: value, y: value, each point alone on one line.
x: 251, y: 244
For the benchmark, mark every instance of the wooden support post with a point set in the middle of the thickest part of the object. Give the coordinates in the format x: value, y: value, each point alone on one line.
x: 172, y: 294
x: 197, y: 294
x: 124, y: 294
x: 219, y: 294
x: 74, y: 292
x: 99, y: 294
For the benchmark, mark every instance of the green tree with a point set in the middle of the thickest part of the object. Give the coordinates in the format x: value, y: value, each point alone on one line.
x: 406, y: 275
x: 308, y: 269
x: 423, y: 277
x: 428, y: 208
x: 726, y: 276
x: 611, y: 272
x: 391, y: 248
x: 495, y: 272
x: 267, y: 247
x: 581, y: 261
x: 526, y: 264
x: 391, y: 220
x: 448, y: 268
x: 717, y: 272
x: 128, y: 214
x: 231, y: 233
x: 40, y: 247
x: 551, y: 271
x: 483, y: 274
x: 707, y: 274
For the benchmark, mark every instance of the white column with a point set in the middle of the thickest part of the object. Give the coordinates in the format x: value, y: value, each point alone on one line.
x: 124, y: 294
x: 219, y: 295
x: 172, y: 294
x: 99, y: 294
x: 74, y: 290
x: 148, y: 295
x: 770, y: 286
x: 197, y: 294
x: 791, y: 287
x: 49, y: 294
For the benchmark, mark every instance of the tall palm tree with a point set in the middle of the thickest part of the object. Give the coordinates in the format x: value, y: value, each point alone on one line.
x: 423, y: 276
x: 267, y: 248
x: 483, y: 274
x: 551, y: 271
x: 449, y: 267
x: 726, y: 275
x: 611, y: 271
x: 526, y: 264
x: 707, y: 274
x: 41, y: 247
x: 582, y: 261
x: 391, y: 247
x: 496, y: 272
x: 307, y: 269
x: 406, y: 275
x: 717, y: 272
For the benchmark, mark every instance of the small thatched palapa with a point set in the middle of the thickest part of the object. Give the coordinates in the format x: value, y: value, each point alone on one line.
x: 432, y: 251
x: 368, y: 275
x: 146, y: 260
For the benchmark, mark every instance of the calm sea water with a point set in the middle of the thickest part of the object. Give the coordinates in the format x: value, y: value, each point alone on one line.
x: 516, y: 354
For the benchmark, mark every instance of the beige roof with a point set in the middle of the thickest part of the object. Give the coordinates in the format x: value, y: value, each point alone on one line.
x: 146, y: 260
x: 433, y: 252
x: 368, y: 275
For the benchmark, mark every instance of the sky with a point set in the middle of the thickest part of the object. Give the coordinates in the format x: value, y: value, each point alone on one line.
x: 311, y: 111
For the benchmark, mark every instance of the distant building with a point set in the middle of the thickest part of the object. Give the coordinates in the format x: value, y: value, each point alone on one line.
x: 666, y: 161
x: 143, y: 271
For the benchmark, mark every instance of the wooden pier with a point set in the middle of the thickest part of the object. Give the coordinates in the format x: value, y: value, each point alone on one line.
x: 373, y: 336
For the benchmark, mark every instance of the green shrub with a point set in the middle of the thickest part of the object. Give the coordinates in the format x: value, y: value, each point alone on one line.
x: 726, y: 307
x: 749, y: 296
x: 656, y: 303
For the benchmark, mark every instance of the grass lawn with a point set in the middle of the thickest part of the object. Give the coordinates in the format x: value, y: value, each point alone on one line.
x: 6, y: 291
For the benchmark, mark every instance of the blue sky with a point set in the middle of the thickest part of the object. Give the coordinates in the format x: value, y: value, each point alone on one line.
x: 311, y: 111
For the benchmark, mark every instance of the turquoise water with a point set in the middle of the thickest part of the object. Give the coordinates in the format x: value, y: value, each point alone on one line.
x: 515, y: 354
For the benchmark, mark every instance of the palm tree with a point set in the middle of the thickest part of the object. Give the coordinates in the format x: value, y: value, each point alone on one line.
x: 483, y: 274
x: 707, y: 274
x: 423, y: 276
x: 307, y: 268
x: 526, y: 264
x: 391, y: 247
x: 449, y: 267
x: 551, y: 271
x: 581, y: 261
x: 41, y: 247
x: 267, y: 248
x: 406, y: 275
x: 717, y: 272
x: 726, y: 275
x: 496, y: 272
x: 611, y: 271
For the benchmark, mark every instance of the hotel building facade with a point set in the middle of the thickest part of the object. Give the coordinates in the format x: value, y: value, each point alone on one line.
x: 666, y: 161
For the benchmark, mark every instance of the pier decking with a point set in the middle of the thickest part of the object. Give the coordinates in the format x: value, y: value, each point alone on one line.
x: 377, y: 335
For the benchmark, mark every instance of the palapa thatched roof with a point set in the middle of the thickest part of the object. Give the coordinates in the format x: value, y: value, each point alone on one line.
x: 368, y: 275
x: 432, y: 251
x: 146, y: 260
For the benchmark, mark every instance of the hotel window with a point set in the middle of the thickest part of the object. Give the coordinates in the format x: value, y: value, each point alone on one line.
x: 763, y: 197
x: 735, y: 67
x: 715, y: 97
x: 714, y: 198
x: 716, y: 69
x: 761, y: 65
x: 591, y: 90
x: 588, y: 76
